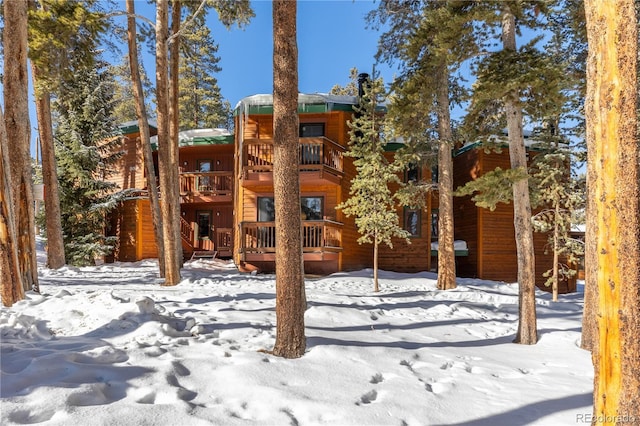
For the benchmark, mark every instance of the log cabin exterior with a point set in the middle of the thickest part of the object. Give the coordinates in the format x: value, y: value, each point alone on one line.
x: 206, y: 189
x: 329, y: 237
x: 226, y: 186
x: 490, y: 235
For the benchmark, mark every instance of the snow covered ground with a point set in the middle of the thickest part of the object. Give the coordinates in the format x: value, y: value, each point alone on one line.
x: 108, y: 345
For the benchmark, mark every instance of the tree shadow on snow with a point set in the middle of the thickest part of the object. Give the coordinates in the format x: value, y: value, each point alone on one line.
x: 535, y: 411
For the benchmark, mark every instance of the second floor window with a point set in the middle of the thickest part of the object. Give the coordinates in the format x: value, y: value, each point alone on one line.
x: 311, y: 208
x: 311, y: 130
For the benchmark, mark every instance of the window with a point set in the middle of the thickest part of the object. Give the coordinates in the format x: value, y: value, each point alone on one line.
x: 311, y: 130
x: 434, y: 225
x: 311, y: 208
x: 266, y: 209
x: 204, y: 182
x: 412, y: 174
x: 434, y: 174
x: 412, y: 221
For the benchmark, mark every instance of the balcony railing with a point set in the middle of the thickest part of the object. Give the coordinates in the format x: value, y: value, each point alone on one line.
x: 214, y: 183
x: 315, y: 154
x: 317, y: 236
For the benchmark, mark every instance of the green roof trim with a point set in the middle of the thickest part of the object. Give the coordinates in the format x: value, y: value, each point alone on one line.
x: 131, y: 127
x: 307, y: 103
x: 302, y: 109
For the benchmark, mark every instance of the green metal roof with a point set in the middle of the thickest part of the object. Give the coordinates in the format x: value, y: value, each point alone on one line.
x: 307, y: 103
x: 131, y: 127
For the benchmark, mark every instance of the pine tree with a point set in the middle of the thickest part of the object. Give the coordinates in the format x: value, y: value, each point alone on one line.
x: 371, y: 201
x: 124, y: 99
x: 561, y: 198
x: 430, y: 39
x: 17, y: 130
x: 201, y: 102
x: 84, y: 137
x: 77, y: 27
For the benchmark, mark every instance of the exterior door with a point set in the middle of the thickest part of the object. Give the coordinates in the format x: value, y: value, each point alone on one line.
x: 204, y: 223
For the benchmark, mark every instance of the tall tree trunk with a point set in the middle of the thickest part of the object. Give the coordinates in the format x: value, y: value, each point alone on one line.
x: 614, y: 151
x: 174, y: 110
x: 290, y: 304
x: 527, y: 328
x: 556, y: 248
x: 53, y: 217
x: 376, y: 287
x: 143, y: 124
x: 10, y: 279
x: 16, y: 88
x: 167, y: 157
x: 446, y: 250
x: 589, y: 339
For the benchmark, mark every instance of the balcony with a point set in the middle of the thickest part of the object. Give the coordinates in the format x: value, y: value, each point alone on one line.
x: 206, y: 187
x: 320, y: 159
x: 321, y: 240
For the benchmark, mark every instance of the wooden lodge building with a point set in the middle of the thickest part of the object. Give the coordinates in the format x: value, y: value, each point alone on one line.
x: 226, y: 188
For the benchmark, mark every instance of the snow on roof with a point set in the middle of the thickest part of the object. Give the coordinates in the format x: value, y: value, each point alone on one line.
x: 303, y: 98
x: 134, y: 123
x: 189, y: 137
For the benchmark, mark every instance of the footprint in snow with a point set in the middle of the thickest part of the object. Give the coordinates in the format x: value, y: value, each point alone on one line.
x: 368, y: 397
x: 376, y: 378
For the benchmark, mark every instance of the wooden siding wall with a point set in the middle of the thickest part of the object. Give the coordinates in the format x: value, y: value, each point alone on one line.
x: 489, y: 234
x: 416, y: 255
x: 147, y: 247
x: 129, y: 169
x: 261, y: 126
x: 216, y: 153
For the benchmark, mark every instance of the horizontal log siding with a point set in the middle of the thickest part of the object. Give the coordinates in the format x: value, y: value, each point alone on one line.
x: 494, y: 256
x: 413, y: 256
x: 147, y: 243
x: 215, y: 153
x: 128, y: 170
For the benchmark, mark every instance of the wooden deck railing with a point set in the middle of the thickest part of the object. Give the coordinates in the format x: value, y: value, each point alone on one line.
x: 186, y: 231
x: 317, y: 236
x: 317, y: 153
x: 220, y: 183
x: 224, y: 241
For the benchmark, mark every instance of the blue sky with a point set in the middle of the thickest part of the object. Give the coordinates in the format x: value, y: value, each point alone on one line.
x: 332, y: 39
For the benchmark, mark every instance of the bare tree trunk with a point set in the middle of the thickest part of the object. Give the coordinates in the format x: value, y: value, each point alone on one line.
x: 376, y: 287
x: 167, y: 153
x: 446, y: 250
x: 290, y: 337
x: 10, y: 277
x: 589, y: 339
x: 53, y: 217
x: 614, y: 150
x: 143, y: 124
x: 527, y: 328
x: 174, y: 110
x: 556, y: 248
x: 16, y: 88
